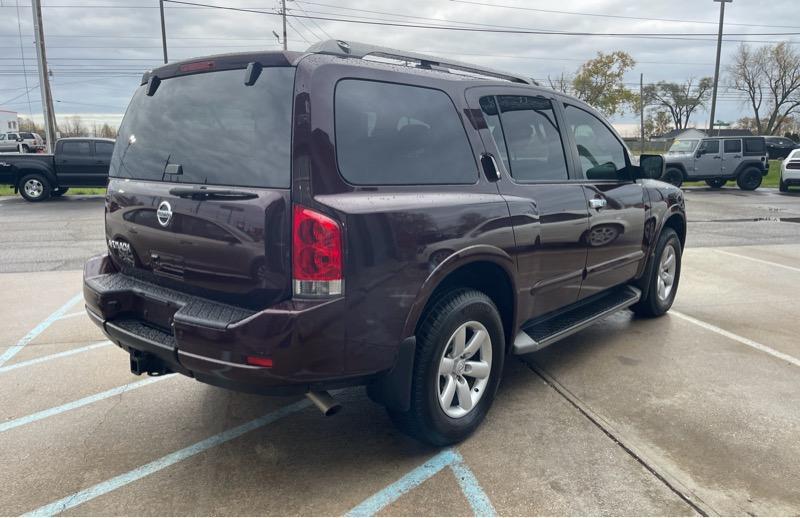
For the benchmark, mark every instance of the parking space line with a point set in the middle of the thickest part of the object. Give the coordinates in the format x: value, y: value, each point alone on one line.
x: 55, y: 356
x: 166, y: 461
x: 39, y: 329
x: 31, y: 418
x: 763, y: 261
x: 71, y: 315
x: 478, y: 501
x: 741, y: 339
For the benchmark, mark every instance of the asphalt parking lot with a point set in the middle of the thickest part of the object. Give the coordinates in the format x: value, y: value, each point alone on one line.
x: 697, y: 412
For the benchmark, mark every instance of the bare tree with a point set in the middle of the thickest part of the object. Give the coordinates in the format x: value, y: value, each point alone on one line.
x: 107, y: 131
x: 561, y: 83
x: 680, y: 100
x: 73, y: 127
x: 770, y: 78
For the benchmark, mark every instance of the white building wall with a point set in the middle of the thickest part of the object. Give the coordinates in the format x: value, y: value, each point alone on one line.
x: 8, y: 121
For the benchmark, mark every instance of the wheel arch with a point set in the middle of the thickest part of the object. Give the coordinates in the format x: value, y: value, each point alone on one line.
x: 485, y: 268
x: 676, y: 165
x: 33, y: 168
x: 676, y: 222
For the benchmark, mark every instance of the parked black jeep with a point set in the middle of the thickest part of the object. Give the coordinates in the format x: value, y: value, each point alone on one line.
x: 287, y: 222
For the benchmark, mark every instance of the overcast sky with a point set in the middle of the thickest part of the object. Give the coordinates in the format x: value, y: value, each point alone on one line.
x: 97, y: 49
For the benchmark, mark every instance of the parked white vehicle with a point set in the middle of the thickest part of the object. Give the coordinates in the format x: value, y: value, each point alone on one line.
x: 790, y: 171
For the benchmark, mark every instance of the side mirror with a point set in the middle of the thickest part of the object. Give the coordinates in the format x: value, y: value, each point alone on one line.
x: 651, y: 166
x: 20, y: 139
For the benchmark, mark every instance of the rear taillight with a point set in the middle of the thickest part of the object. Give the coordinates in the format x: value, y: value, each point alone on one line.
x: 316, y: 254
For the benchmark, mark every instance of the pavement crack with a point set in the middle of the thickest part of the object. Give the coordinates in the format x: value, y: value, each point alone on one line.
x: 684, y: 493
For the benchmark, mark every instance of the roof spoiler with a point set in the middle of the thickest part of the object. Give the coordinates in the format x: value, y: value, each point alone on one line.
x: 362, y: 50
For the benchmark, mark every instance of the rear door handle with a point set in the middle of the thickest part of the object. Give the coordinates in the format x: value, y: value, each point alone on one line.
x: 597, y: 203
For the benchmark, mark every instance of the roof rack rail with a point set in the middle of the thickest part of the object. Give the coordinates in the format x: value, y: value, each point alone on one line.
x: 362, y: 50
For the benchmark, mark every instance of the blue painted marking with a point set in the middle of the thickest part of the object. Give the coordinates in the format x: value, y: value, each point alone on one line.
x: 409, y: 481
x: 36, y: 331
x: 54, y: 356
x: 478, y: 501
x: 166, y: 461
x: 14, y: 423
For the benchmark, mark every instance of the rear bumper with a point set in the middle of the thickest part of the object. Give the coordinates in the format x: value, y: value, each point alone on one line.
x: 210, y: 341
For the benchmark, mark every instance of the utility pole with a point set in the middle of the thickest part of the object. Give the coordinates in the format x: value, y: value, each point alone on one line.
x: 283, y: 12
x: 641, y: 111
x: 44, y: 78
x: 163, y: 30
x: 716, y: 68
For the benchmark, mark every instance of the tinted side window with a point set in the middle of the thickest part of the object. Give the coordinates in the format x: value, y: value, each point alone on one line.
x: 103, y: 148
x: 710, y: 146
x: 733, y: 146
x: 390, y: 134
x: 531, y: 137
x: 76, y: 148
x: 26, y: 135
x: 755, y: 145
x: 602, y: 155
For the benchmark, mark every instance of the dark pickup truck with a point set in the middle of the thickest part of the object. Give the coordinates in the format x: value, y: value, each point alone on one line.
x: 77, y: 162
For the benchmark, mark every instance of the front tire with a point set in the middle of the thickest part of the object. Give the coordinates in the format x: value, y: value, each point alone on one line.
x: 674, y: 176
x: 457, y: 368
x: 749, y: 179
x: 664, y: 274
x: 34, y: 187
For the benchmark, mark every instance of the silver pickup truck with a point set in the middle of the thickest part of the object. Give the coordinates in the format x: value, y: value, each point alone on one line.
x: 717, y: 160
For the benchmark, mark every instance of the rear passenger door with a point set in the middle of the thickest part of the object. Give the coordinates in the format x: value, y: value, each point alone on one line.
x: 617, y: 203
x: 548, y: 208
x: 74, y: 162
x: 731, y: 156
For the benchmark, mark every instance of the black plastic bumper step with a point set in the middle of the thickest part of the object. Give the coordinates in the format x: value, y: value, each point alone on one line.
x: 543, y: 332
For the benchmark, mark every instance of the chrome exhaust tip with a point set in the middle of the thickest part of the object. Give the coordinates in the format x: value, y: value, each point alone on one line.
x: 325, y: 402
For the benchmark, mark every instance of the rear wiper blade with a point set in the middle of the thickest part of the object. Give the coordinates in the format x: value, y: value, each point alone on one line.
x: 204, y: 193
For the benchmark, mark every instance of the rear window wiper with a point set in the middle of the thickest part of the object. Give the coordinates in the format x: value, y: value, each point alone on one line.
x: 204, y: 193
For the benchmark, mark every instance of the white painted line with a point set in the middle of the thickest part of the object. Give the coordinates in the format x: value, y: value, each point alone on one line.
x: 55, y: 356
x: 38, y: 416
x: 770, y: 263
x: 39, y: 329
x: 81, y: 497
x: 742, y: 340
x: 71, y: 315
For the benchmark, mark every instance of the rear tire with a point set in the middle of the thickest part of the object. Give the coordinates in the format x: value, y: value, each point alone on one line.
x: 34, y: 187
x: 674, y: 176
x: 663, y: 278
x: 716, y: 183
x: 749, y: 179
x: 441, y: 376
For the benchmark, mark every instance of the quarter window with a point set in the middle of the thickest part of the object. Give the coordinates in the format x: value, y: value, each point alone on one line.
x: 733, y: 146
x: 527, y: 135
x: 392, y: 134
x: 602, y: 155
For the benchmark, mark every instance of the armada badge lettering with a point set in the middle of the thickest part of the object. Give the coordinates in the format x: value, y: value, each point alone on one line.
x: 164, y: 213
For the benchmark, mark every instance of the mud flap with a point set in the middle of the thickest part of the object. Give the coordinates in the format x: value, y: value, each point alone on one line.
x: 393, y: 389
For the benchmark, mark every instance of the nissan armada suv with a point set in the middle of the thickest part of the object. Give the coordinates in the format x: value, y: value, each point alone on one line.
x: 291, y: 223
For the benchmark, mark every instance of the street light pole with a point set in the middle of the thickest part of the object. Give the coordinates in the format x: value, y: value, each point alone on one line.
x: 163, y: 30
x: 716, y: 68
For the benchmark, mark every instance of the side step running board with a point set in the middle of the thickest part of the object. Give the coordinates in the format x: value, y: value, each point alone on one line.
x: 541, y: 333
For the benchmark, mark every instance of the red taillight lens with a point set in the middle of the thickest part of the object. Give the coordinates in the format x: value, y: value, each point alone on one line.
x: 316, y: 253
x: 258, y: 361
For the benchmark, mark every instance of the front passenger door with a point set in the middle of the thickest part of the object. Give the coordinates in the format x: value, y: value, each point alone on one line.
x: 617, y: 203
x: 708, y: 160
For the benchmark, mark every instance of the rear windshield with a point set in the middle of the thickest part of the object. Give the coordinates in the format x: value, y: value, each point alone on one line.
x: 218, y: 130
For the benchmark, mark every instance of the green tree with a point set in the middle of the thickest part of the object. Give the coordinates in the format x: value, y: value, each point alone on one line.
x: 679, y: 100
x: 599, y: 82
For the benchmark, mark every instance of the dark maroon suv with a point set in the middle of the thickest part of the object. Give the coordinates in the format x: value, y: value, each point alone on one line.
x: 287, y: 223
